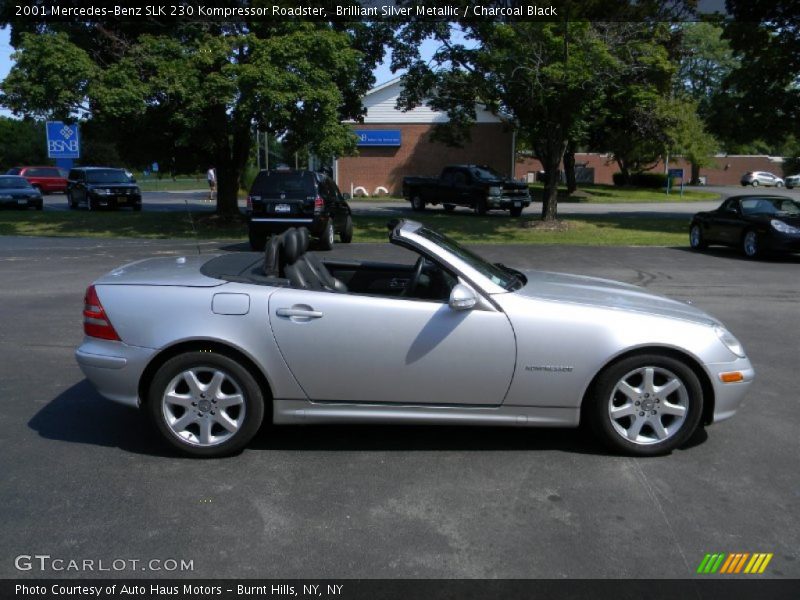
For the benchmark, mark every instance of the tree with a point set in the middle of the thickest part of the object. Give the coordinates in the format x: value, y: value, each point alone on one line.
x: 686, y: 135
x: 546, y: 76
x: 764, y: 90
x: 203, y: 86
x: 22, y: 142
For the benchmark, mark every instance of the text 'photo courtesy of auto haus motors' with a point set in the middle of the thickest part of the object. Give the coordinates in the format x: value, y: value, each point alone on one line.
x: 211, y: 346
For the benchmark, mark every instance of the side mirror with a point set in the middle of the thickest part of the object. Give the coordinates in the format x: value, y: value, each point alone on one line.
x: 346, y: 196
x: 462, y: 298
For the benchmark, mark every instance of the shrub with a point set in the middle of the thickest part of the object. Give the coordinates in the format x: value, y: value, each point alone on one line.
x: 643, y: 180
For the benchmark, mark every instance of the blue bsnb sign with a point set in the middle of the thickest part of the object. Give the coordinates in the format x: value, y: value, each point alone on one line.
x: 63, y: 141
x: 378, y: 137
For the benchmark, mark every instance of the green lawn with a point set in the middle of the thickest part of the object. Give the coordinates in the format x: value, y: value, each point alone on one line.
x: 587, y: 230
x: 609, y: 194
x: 151, y: 184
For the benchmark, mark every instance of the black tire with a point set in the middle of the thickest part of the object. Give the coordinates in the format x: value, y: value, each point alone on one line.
x: 137, y: 207
x: 89, y: 204
x: 697, y: 240
x: 751, y: 244
x: 417, y: 204
x: 603, y: 395
x: 258, y: 241
x: 481, y: 207
x: 327, y: 238
x: 346, y: 234
x: 779, y: 185
x: 40, y: 206
x: 449, y: 207
x: 206, y: 363
x: 70, y: 202
x: 516, y: 211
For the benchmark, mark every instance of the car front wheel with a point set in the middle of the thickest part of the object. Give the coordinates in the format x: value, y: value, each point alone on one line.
x: 516, y: 211
x: 417, y: 204
x: 205, y: 404
x: 646, y: 405
x: 751, y: 245
x: 755, y: 183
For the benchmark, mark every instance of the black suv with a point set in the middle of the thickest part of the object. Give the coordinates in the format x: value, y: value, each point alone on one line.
x: 285, y: 198
x: 102, y: 187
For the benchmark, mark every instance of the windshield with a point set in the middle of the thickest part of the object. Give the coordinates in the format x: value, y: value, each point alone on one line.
x: 14, y: 182
x: 107, y: 176
x: 492, y: 272
x: 485, y: 173
x: 770, y: 206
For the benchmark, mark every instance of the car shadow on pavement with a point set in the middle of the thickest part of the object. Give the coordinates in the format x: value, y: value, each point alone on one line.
x: 80, y: 415
x: 736, y: 254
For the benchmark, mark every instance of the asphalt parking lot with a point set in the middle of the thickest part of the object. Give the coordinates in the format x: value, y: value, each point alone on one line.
x: 83, y: 478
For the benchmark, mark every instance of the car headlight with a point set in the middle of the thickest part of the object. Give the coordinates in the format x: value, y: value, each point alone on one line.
x: 495, y: 191
x: 731, y: 343
x: 783, y: 227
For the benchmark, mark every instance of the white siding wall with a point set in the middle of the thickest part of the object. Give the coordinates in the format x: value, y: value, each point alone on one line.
x: 380, y: 106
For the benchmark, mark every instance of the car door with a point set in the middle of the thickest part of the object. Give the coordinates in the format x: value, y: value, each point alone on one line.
x: 725, y: 222
x: 462, y: 188
x: 360, y: 348
x: 77, y: 186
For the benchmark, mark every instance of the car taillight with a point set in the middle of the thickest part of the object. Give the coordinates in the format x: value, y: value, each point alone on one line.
x: 95, y: 320
x: 319, y: 204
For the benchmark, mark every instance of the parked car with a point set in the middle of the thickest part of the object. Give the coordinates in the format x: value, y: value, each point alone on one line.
x: 284, y: 198
x: 757, y: 178
x: 477, y: 187
x: 210, y: 345
x: 17, y: 192
x: 47, y: 180
x: 792, y: 180
x: 756, y: 224
x: 103, y: 187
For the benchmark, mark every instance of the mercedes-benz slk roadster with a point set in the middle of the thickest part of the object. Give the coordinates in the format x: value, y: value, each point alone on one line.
x: 210, y: 346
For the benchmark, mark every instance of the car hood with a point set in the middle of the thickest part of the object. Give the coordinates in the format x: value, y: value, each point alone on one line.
x: 180, y: 271
x: 605, y: 293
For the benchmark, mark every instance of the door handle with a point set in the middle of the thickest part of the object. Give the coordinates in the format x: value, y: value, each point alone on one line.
x: 299, y: 312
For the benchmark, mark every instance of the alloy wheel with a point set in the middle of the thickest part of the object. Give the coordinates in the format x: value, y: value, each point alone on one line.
x: 750, y: 244
x: 203, y: 406
x: 648, y: 405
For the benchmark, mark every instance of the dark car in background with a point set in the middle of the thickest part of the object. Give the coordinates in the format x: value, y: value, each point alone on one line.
x: 103, y: 187
x: 48, y: 180
x: 477, y: 187
x: 17, y: 192
x: 756, y: 224
x: 284, y: 198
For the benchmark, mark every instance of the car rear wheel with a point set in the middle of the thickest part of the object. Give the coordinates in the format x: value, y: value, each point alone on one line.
x: 346, y: 235
x: 205, y: 404
x: 755, y: 183
x: 696, y: 239
x: 258, y: 241
x: 327, y: 239
x: 417, y: 204
x: 751, y: 244
x: 779, y: 184
x: 646, y: 405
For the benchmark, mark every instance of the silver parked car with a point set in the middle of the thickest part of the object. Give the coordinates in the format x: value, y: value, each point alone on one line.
x: 757, y: 178
x: 792, y: 181
x: 210, y: 345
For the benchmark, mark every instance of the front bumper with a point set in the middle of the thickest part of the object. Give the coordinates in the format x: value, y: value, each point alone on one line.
x: 114, y: 368
x: 21, y: 203
x: 728, y: 396
x: 781, y: 242
x: 507, y: 202
x: 116, y: 201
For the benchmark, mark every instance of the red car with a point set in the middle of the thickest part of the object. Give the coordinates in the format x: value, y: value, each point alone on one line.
x: 45, y: 179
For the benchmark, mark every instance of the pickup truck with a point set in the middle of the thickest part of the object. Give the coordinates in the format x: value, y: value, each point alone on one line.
x: 478, y: 187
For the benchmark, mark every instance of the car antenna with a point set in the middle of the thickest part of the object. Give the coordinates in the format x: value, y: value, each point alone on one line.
x: 191, y: 221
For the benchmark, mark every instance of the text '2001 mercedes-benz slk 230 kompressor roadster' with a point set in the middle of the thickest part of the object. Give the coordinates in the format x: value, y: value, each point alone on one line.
x: 210, y: 345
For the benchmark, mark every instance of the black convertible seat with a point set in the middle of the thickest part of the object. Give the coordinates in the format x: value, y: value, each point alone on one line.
x: 317, y: 266
x: 272, y: 255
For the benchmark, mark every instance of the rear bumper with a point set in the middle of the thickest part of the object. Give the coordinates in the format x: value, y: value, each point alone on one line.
x: 268, y: 224
x: 728, y: 396
x: 113, y: 368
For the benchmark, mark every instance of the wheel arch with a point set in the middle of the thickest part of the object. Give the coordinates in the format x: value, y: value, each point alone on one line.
x: 223, y: 348
x: 690, y: 361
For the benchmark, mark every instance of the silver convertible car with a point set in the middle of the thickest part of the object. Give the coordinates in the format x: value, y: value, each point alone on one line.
x: 210, y: 345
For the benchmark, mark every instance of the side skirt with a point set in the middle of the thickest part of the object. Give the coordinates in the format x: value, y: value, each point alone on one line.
x: 303, y: 411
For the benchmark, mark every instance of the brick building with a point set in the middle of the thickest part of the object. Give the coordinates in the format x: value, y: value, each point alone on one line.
x: 395, y: 144
x: 599, y: 168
